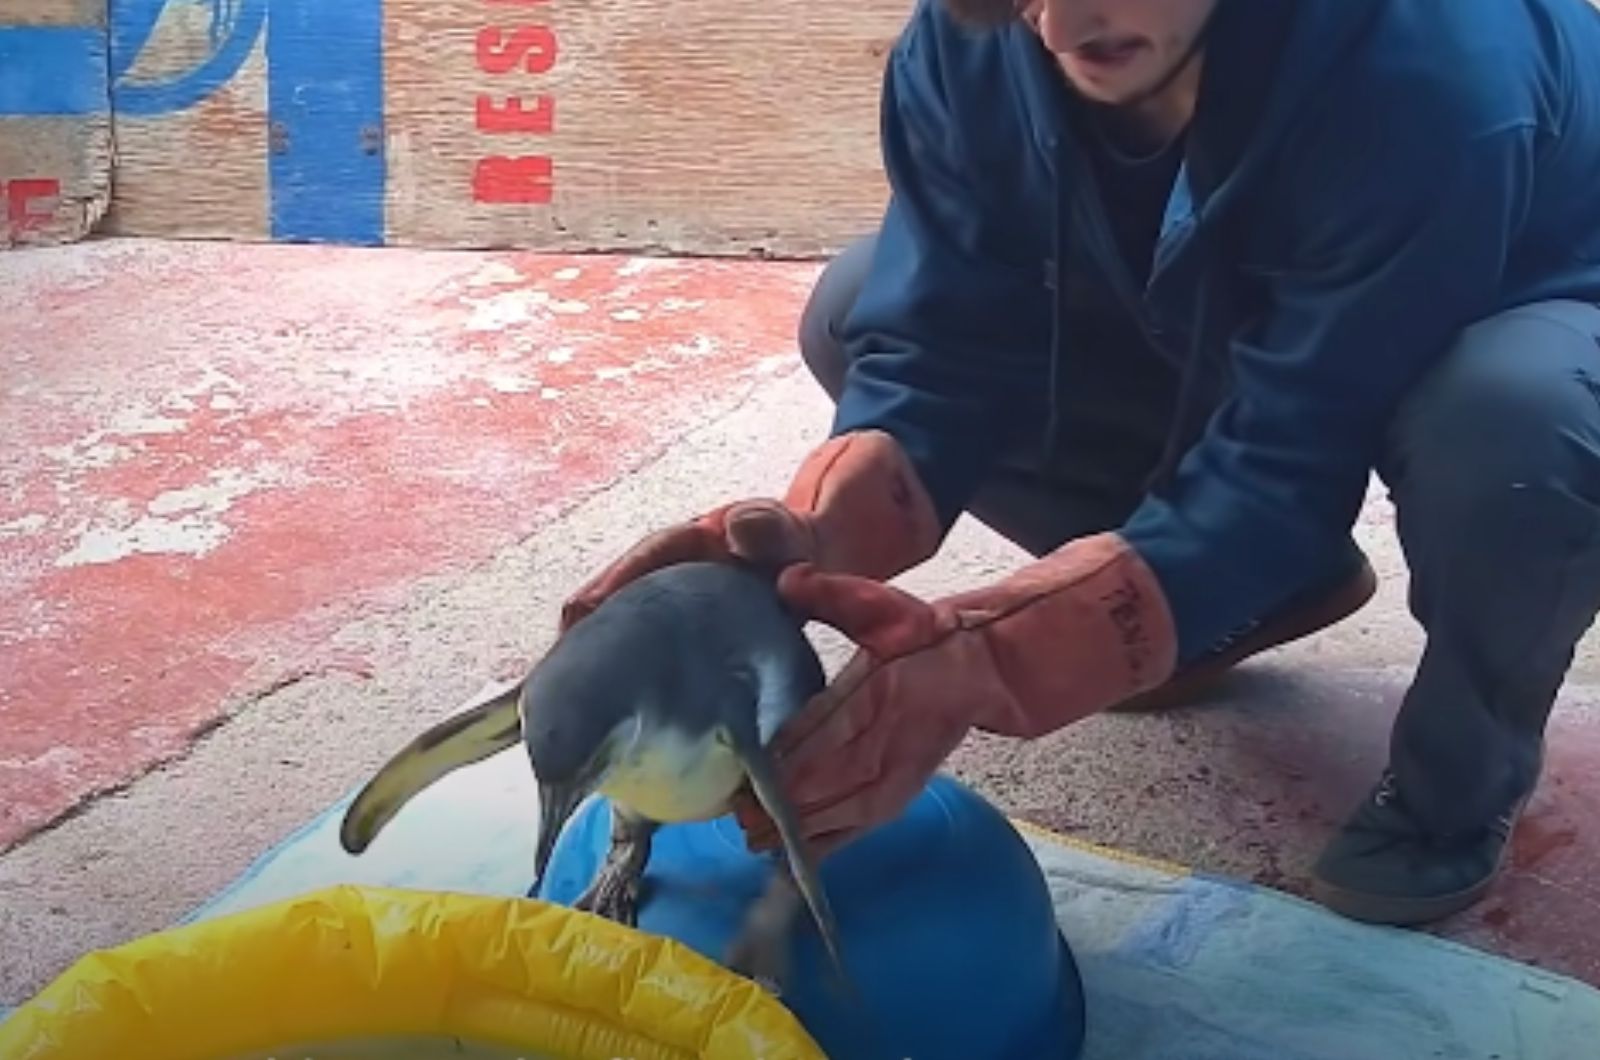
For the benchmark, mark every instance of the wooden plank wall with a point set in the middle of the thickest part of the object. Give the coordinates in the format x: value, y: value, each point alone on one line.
x: 719, y: 127
x: 190, y: 103
x: 715, y: 126
x: 55, y: 121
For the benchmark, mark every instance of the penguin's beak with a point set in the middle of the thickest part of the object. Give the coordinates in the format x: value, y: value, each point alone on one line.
x: 556, y: 805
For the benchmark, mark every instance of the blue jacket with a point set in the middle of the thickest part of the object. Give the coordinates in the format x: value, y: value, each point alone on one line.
x: 1363, y: 179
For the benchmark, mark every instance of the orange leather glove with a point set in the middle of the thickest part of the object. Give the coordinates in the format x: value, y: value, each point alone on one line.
x: 1067, y: 635
x: 855, y: 505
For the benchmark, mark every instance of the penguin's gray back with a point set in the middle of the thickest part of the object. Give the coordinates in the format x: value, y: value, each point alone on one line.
x: 692, y: 646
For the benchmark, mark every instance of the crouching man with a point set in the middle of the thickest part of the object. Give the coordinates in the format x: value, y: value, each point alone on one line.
x: 1160, y: 285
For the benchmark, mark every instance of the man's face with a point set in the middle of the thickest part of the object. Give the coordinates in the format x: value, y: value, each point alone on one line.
x: 1120, y: 52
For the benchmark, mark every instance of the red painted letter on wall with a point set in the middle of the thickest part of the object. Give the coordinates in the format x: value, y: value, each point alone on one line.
x: 518, y: 180
x: 511, y: 117
x: 21, y: 216
x: 533, y: 46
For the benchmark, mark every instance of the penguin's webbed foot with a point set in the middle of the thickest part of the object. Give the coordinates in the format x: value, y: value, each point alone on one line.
x: 614, y: 892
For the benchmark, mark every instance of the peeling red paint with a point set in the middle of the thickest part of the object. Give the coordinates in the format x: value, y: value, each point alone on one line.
x: 304, y: 451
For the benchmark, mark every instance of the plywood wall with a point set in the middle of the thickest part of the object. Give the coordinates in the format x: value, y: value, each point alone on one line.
x: 55, y: 121
x: 721, y: 126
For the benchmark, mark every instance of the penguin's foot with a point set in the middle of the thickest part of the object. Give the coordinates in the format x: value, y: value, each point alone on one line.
x: 760, y: 952
x: 614, y: 892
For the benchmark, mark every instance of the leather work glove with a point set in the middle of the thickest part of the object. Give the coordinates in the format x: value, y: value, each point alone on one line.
x: 855, y: 505
x: 1065, y: 636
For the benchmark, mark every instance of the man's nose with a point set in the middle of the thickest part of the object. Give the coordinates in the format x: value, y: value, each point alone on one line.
x: 1063, y: 24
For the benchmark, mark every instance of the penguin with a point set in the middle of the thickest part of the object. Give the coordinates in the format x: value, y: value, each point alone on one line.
x: 664, y: 700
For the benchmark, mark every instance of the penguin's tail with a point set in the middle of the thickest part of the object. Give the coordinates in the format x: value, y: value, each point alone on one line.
x: 461, y: 740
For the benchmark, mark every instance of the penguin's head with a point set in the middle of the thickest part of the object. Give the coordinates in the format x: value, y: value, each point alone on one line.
x: 572, y: 748
x: 581, y: 712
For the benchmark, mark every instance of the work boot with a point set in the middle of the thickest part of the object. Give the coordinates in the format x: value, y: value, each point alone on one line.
x: 1304, y: 615
x: 1384, y: 867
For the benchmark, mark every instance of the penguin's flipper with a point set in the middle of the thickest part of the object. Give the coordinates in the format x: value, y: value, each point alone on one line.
x: 461, y: 740
x: 802, y: 867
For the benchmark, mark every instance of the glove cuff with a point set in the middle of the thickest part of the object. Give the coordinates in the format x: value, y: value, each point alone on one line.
x: 1068, y: 635
x: 868, y: 509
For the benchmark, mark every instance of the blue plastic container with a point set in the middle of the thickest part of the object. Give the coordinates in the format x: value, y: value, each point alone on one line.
x: 946, y: 922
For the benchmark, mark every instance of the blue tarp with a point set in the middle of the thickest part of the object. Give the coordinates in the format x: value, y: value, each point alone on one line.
x: 1176, y: 965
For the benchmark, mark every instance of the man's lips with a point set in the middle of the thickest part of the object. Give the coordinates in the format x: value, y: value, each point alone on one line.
x: 1107, y: 53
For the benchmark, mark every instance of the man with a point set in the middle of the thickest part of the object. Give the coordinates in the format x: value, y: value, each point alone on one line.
x: 1161, y: 283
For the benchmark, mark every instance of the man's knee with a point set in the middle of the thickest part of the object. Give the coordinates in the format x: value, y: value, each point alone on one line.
x: 1507, y: 426
x: 821, y: 323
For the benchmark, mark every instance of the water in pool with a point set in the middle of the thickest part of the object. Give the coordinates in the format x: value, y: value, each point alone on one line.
x: 410, y: 1047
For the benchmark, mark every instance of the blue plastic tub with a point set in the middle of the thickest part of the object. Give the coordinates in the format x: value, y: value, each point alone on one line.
x: 947, y: 925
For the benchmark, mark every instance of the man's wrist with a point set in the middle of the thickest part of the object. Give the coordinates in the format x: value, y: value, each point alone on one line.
x: 869, y: 511
x: 1070, y: 634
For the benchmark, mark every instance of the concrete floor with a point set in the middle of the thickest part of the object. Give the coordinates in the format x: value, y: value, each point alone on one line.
x: 255, y: 532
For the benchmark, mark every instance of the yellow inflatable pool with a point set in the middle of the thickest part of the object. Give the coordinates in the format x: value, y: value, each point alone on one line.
x: 364, y: 972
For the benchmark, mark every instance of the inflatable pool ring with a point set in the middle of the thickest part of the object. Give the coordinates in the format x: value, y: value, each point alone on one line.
x: 384, y: 974
x: 946, y: 920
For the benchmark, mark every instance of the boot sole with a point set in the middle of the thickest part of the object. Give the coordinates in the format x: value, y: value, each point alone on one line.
x: 1395, y: 911
x: 1339, y: 605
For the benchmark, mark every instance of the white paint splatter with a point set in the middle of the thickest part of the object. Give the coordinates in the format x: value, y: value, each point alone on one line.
x: 550, y: 393
x: 636, y: 266
x: 193, y: 535
x: 627, y: 316
x: 699, y: 346
x: 184, y: 521
x: 27, y: 525
x: 569, y: 273
x: 560, y: 355
x: 60, y: 760
x: 494, y: 273
x: 223, y: 403
x: 212, y: 379
x: 645, y: 364
x: 673, y: 304
x: 226, y: 485
x: 140, y: 422
x: 96, y: 450
x: 88, y: 453
x: 512, y: 384
x: 501, y: 311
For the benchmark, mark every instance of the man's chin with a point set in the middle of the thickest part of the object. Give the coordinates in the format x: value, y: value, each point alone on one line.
x: 1129, y: 88
x: 1120, y: 92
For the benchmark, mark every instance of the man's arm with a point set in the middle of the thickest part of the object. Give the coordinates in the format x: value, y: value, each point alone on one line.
x: 1396, y: 231
x: 949, y: 336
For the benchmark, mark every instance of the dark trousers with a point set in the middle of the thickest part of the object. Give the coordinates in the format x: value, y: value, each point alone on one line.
x: 1493, y: 465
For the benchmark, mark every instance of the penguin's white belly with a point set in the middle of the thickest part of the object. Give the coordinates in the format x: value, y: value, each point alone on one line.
x: 669, y: 777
